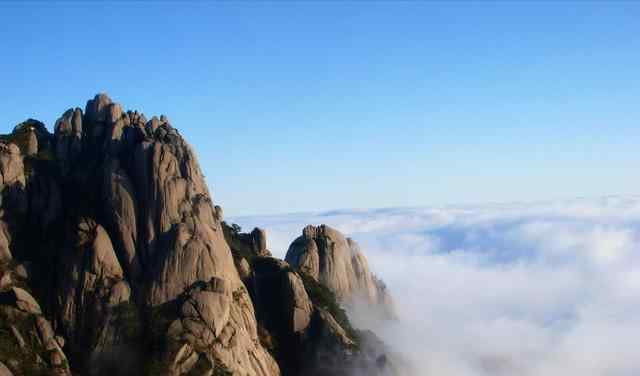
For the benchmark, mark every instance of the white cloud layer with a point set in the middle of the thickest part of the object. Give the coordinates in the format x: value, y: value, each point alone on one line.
x: 542, y: 289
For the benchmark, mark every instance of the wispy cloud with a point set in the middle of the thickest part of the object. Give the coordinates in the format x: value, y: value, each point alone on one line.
x: 539, y: 289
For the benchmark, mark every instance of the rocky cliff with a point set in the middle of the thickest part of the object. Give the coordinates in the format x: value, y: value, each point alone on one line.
x: 114, y: 260
x: 332, y: 259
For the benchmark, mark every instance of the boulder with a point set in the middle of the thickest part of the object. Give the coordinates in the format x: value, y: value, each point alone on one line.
x: 102, y: 260
x: 68, y: 138
x: 20, y: 299
x: 113, y: 113
x: 297, y: 303
x: 22, y: 270
x: 4, y: 371
x: 206, y: 312
x: 244, y: 269
x: 219, y: 323
x: 5, y: 280
x: 97, y: 110
x: 120, y: 293
x: 259, y: 241
x: 248, y: 245
x: 11, y: 166
x: 153, y: 124
x: 303, y: 254
x: 32, y: 143
x: 219, y: 213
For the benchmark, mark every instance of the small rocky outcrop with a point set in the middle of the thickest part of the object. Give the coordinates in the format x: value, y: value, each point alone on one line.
x: 11, y: 165
x: 32, y: 144
x: 21, y: 300
x: 337, y: 262
x: 68, y: 138
x: 247, y: 245
x: 31, y: 136
x: 13, y: 200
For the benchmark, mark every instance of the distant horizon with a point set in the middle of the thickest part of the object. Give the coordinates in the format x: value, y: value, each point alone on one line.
x: 452, y: 205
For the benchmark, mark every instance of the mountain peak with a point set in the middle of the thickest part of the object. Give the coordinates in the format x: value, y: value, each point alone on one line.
x: 113, y: 217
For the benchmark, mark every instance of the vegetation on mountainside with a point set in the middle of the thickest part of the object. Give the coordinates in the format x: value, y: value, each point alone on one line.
x: 146, y: 331
x: 220, y: 370
x: 239, y: 249
x: 155, y: 339
x: 129, y: 322
x: 267, y: 340
x: 32, y: 358
x: 321, y: 296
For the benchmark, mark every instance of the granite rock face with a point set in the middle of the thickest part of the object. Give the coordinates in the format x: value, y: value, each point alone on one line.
x: 27, y: 339
x: 218, y: 326
x: 337, y: 262
x: 21, y: 300
x: 11, y: 165
x: 114, y: 212
x: 12, y: 187
x: 302, y: 321
x: 91, y: 286
x: 115, y: 261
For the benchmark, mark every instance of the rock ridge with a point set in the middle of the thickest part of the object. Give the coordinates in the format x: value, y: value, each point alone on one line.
x: 115, y: 260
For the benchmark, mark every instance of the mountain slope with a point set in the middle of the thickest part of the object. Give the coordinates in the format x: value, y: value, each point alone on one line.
x: 128, y: 267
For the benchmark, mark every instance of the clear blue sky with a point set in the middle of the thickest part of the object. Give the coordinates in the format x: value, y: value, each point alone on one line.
x: 316, y: 106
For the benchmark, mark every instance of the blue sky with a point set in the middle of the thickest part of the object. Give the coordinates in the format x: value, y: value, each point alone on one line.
x: 316, y: 106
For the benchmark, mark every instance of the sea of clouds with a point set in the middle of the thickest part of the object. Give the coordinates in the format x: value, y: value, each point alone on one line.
x: 529, y: 289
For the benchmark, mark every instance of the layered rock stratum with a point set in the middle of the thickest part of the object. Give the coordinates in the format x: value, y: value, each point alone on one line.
x: 114, y: 260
